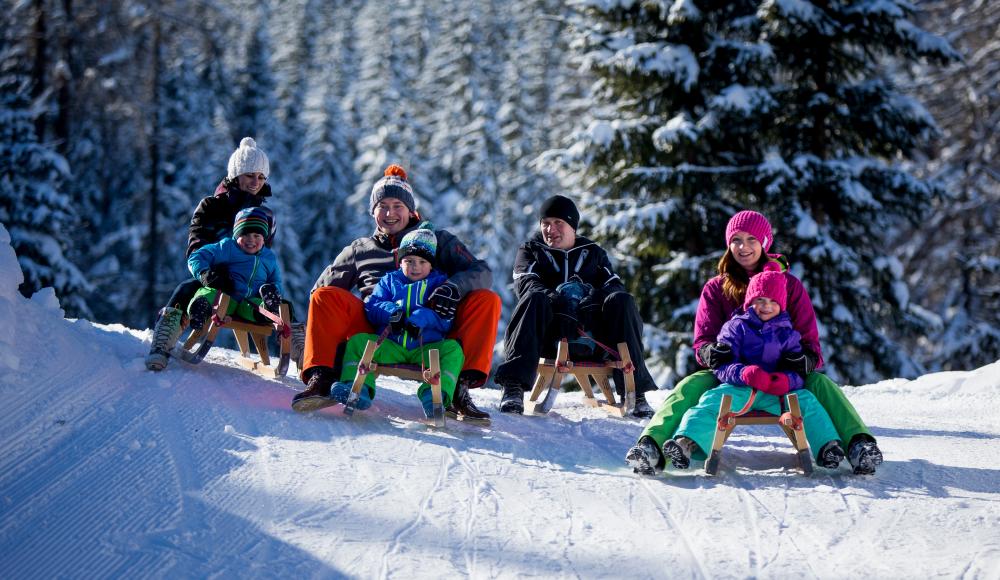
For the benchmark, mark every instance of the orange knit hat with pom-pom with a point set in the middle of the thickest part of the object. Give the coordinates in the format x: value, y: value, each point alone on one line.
x: 393, y: 184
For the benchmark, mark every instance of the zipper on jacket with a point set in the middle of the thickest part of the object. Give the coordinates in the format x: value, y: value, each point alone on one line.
x: 256, y: 260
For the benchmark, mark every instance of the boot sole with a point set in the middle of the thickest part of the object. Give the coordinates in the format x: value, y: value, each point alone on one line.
x: 676, y: 456
x: 309, y: 404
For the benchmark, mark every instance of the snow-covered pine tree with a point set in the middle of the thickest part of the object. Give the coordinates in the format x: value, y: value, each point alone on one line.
x: 706, y: 108
x: 953, y: 260
x: 39, y: 216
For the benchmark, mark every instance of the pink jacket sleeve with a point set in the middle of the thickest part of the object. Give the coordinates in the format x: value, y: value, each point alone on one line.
x: 800, y: 309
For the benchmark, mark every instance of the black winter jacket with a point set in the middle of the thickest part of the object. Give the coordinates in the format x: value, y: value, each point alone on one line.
x: 213, y: 218
x: 539, y: 267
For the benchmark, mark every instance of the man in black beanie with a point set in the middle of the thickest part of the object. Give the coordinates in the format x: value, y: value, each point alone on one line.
x: 565, y: 282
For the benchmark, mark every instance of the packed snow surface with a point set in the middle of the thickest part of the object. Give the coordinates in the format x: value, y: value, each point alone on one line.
x: 109, y: 470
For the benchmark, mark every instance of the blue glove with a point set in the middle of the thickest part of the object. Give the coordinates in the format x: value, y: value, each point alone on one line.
x: 422, y: 318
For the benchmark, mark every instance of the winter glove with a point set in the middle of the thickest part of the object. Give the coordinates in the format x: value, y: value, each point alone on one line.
x: 565, y: 326
x: 444, y: 300
x: 777, y: 384
x: 755, y: 377
x: 217, y: 277
x: 422, y: 318
x: 802, y: 363
x: 396, y: 323
x: 715, y: 354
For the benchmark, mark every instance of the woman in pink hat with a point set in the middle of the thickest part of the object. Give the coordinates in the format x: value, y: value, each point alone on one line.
x: 748, y: 239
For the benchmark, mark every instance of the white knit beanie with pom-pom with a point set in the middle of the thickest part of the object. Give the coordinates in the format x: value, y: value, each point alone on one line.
x: 248, y: 159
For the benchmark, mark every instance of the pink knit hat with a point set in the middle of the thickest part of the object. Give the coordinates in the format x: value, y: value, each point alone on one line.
x: 752, y: 223
x: 768, y: 284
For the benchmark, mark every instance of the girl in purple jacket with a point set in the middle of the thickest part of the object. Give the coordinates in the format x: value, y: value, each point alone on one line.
x: 759, y: 336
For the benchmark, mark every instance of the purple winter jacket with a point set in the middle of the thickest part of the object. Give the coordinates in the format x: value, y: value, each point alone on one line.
x: 755, y: 342
x: 714, y: 309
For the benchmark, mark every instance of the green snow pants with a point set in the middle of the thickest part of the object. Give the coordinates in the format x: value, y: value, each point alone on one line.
x: 688, y: 392
x: 449, y: 355
x: 700, y: 422
x: 245, y: 309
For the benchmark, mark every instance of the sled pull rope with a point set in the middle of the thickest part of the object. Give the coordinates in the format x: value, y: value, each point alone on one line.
x: 279, y: 324
x: 726, y: 420
x: 614, y: 354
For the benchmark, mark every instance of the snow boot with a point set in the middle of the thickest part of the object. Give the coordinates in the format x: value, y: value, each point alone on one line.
x: 512, y: 400
x: 679, y: 450
x: 461, y: 403
x: 644, y: 457
x: 317, y: 393
x: 642, y: 409
x: 864, y: 456
x: 271, y: 299
x: 830, y: 455
x: 199, y: 312
x: 341, y: 392
x: 298, y: 343
x: 166, y: 331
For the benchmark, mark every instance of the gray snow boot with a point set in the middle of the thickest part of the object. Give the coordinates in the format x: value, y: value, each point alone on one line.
x: 864, y: 456
x: 830, y: 455
x: 644, y: 457
x: 679, y: 450
x: 512, y: 399
x: 167, y: 330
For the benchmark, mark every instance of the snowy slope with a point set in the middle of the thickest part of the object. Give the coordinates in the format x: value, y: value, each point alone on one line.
x: 107, y: 470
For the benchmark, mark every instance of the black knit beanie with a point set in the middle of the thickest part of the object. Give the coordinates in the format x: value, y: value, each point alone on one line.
x: 562, y: 207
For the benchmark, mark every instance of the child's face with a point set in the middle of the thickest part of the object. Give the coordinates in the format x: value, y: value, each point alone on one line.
x: 415, y: 268
x: 250, y: 243
x: 766, y: 308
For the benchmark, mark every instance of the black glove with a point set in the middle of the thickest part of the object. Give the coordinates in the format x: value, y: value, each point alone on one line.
x: 444, y: 300
x: 412, y: 329
x: 715, y: 354
x: 801, y: 363
x: 217, y: 277
x: 396, y: 323
x: 565, y: 326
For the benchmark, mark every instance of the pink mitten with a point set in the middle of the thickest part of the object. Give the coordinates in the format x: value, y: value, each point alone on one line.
x: 777, y: 384
x: 756, y: 377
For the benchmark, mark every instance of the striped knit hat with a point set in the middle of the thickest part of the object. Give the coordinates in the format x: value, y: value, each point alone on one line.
x: 420, y: 242
x: 393, y: 184
x: 253, y: 220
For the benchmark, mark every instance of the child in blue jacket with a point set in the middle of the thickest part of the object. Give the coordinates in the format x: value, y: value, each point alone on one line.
x: 758, y: 335
x: 399, y: 302
x: 251, y: 267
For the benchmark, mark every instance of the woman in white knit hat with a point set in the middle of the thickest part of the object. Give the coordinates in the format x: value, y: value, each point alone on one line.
x: 245, y: 185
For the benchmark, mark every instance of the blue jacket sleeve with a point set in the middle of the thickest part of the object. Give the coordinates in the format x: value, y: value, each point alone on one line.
x: 380, y: 304
x: 204, y: 258
x: 731, y: 333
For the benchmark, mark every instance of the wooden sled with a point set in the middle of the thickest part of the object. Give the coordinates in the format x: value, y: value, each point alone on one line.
x: 199, y: 342
x: 551, y: 372
x: 431, y: 375
x: 790, y: 422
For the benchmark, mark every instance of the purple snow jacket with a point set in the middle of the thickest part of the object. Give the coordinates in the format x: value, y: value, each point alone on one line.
x: 714, y: 309
x: 755, y: 342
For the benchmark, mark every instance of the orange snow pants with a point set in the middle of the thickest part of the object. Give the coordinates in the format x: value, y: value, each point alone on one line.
x: 335, y: 315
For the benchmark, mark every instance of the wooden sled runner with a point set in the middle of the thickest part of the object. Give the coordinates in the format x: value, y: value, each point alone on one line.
x: 199, y: 342
x: 790, y: 422
x: 551, y: 372
x: 431, y: 375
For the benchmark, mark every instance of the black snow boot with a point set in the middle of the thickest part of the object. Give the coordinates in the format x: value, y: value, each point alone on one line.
x: 271, y: 299
x: 644, y: 457
x: 462, y: 405
x: 317, y: 393
x: 679, y: 450
x: 512, y: 400
x: 199, y: 311
x: 642, y: 409
x: 864, y: 455
x: 830, y: 455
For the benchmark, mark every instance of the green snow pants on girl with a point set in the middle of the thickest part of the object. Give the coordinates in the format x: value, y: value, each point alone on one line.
x: 688, y: 392
x: 391, y: 353
x: 700, y: 422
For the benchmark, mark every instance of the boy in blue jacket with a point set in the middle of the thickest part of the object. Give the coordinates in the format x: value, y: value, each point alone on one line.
x: 252, y: 271
x: 758, y: 335
x: 399, y: 302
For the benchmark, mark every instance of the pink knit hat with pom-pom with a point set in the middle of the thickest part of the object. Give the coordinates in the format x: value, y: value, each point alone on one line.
x: 752, y: 223
x: 767, y: 284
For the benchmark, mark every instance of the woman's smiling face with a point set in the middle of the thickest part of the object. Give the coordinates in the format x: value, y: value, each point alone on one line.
x: 746, y: 249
